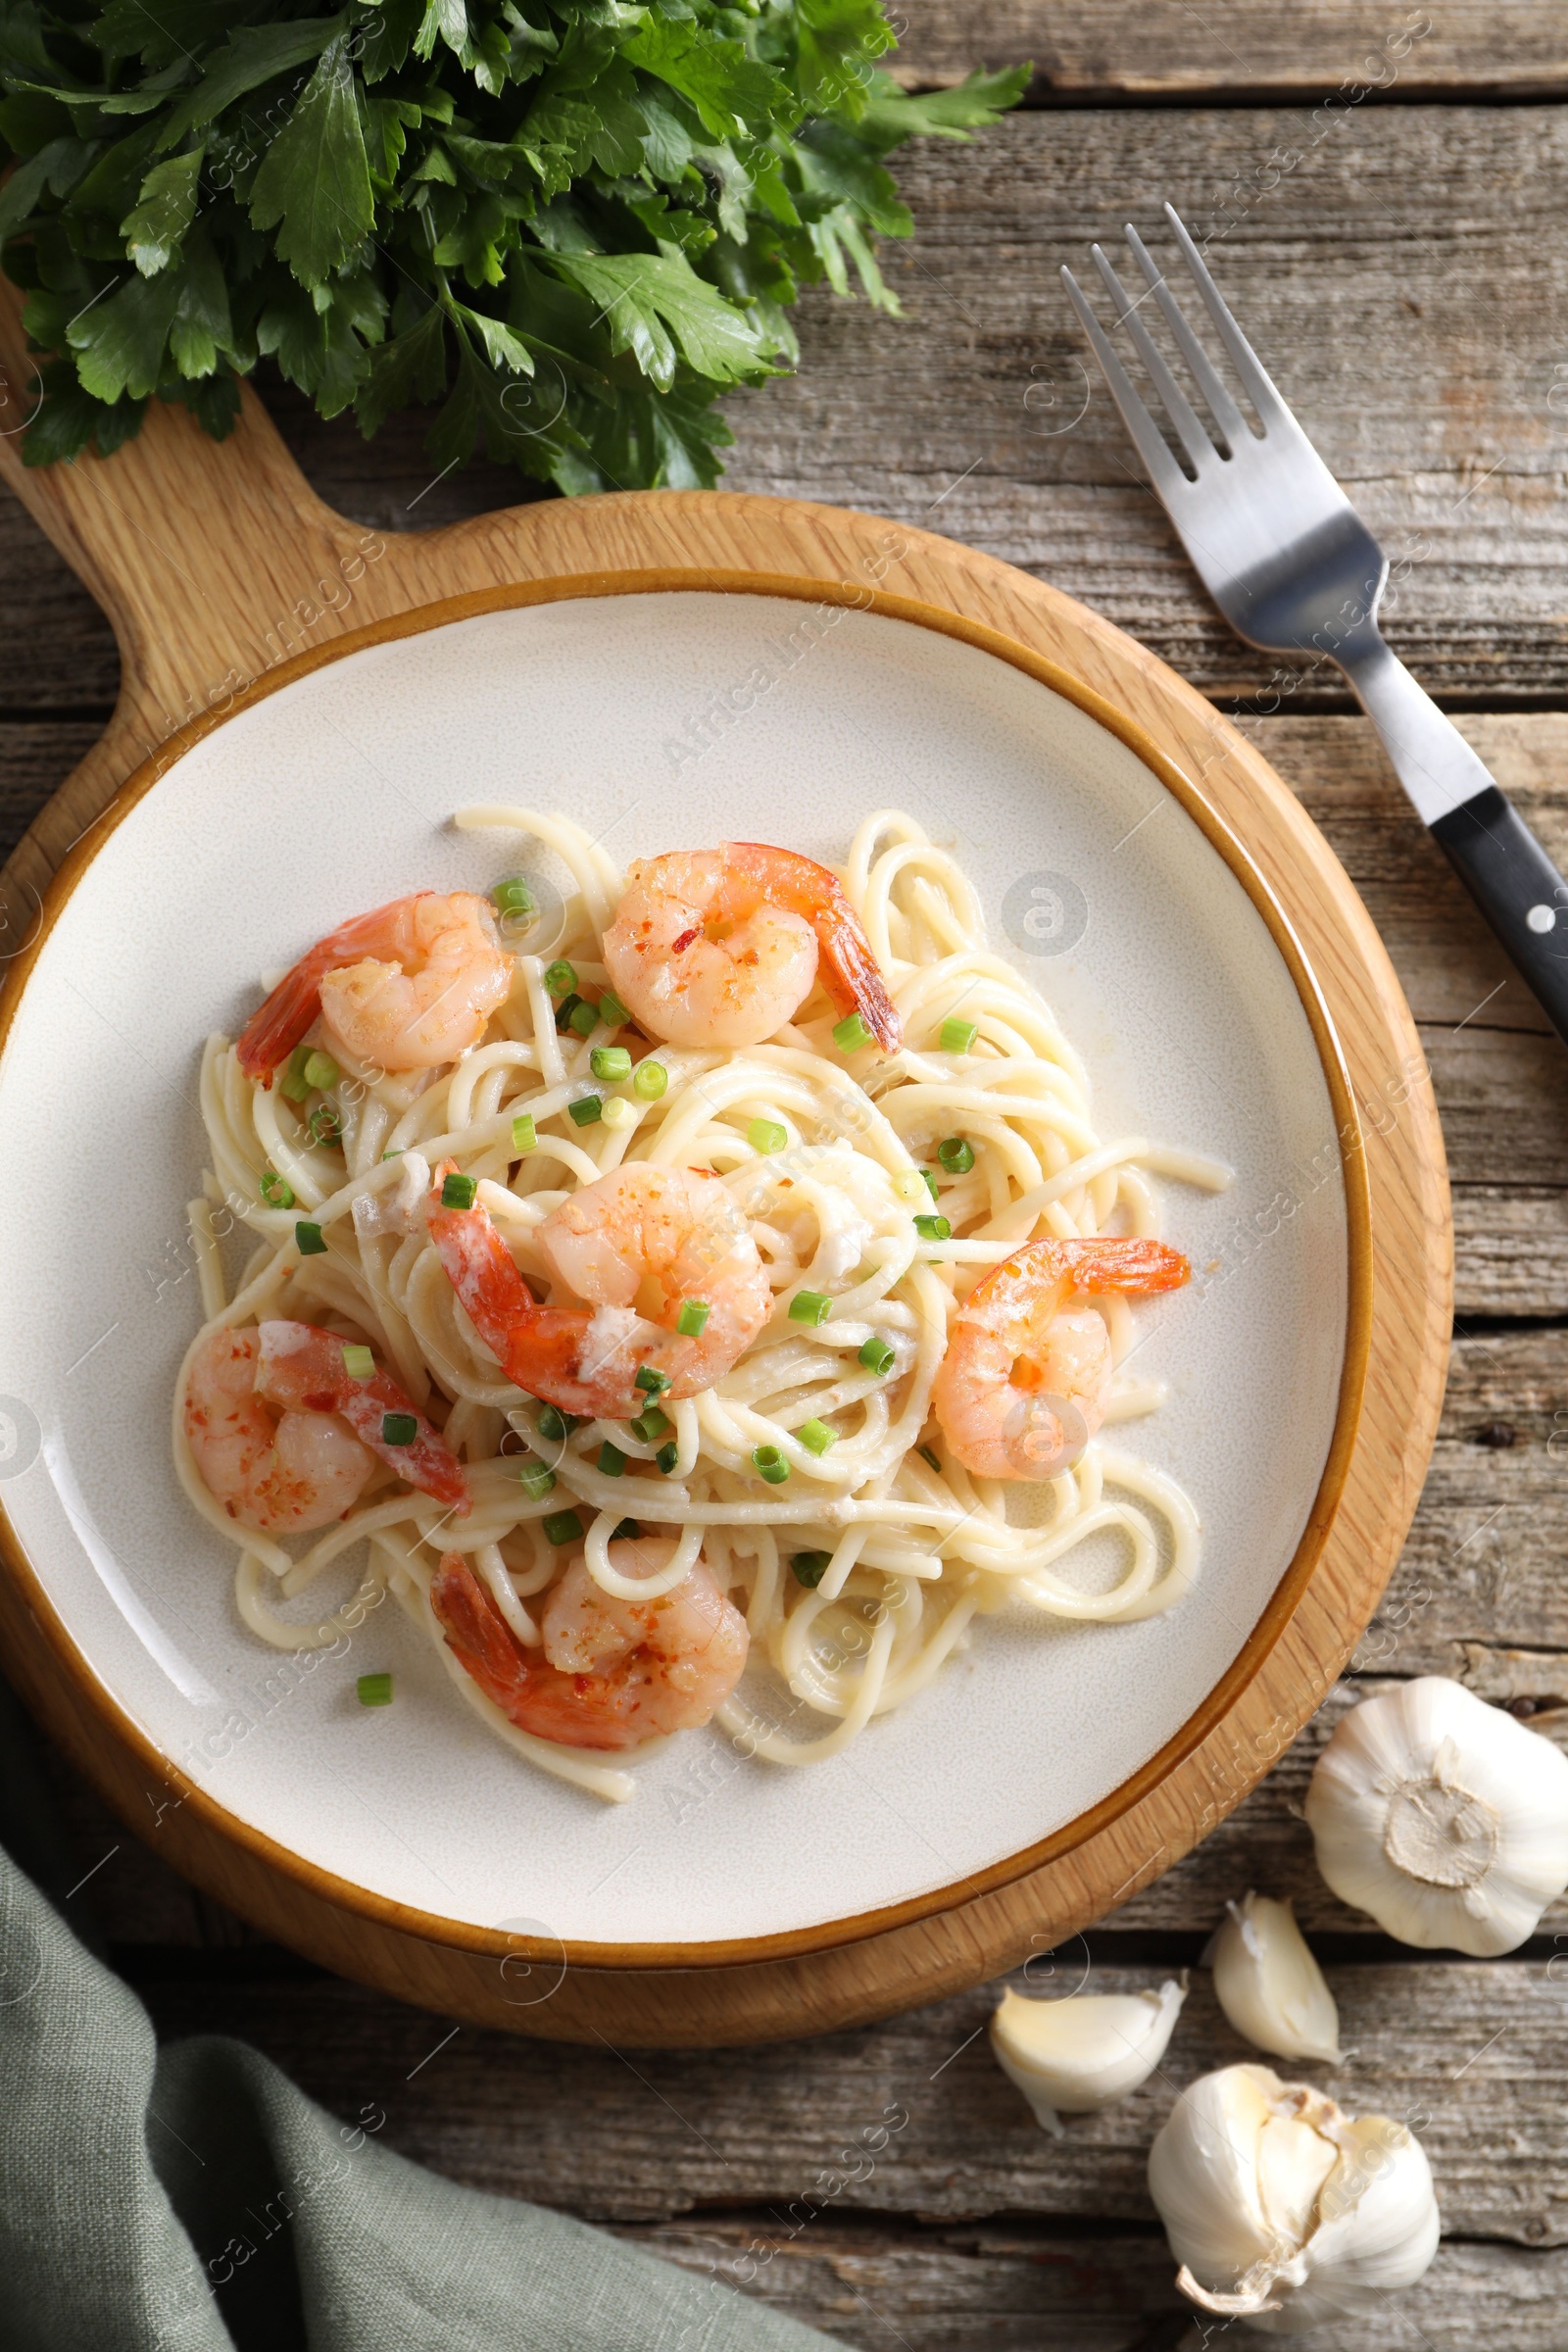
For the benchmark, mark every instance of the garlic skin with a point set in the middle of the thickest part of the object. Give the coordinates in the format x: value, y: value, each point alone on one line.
x: 1070, y: 2057
x: 1441, y: 1817
x: 1268, y: 1984
x: 1282, y: 2210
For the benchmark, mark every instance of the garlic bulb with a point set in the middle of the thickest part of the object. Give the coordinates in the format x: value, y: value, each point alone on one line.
x: 1085, y: 2053
x: 1443, y: 1817
x: 1268, y: 1984
x: 1282, y: 2210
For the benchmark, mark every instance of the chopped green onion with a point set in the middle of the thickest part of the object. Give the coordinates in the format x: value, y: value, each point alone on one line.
x: 816, y: 1437
x: 559, y: 980
x: 649, y: 1381
x: 851, y: 1034
x: 957, y: 1156
x: 357, y: 1362
x: 375, y: 1689
x: 957, y: 1036
x: 565, y: 1011
x: 562, y: 1527
x: 513, y: 896
x: 554, y: 1423
x: 399, y: 1429
x: 627, y: 1531
x: 649, y: 1425
x: 693, y: 1315
x: 770, y: 1463
x: 927, y: 1455
x: 535, y: 1480
x: 877, y: 1356
x: 396, y: 1151
x: 294, y: 1083
x: 587, y: 1111
x: 809, y: 1567
x: 584, y: 1017
x: 810, y: 1307
x: 610, y: 1062
x: 458, y: 1191
x: 649, y: 1081
x: 320, y: 1070
x: 667, y: 1456
x: 309, y: 1239
x: 324, y: 1125
x: 933, y: 1229
x: 930, y: 1184
x: 612, y: 1011
x: 523, y: 1138
x: 612, y: 1461
x: 275, y: 1190
x: 766, y: 1135
x: 618, y: 1112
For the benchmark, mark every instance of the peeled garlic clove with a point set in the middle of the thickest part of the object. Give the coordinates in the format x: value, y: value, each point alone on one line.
x: 1282, y: 2210
x: 1085, y: 2052
x: 1443, y: 1817
x: 1268, y: 1984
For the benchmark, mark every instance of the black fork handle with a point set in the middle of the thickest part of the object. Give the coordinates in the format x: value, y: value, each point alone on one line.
x: 1518, y: 889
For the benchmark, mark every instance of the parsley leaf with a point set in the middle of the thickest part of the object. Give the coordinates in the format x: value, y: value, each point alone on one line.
x: 155, y: 230
x: 569, y: 225
x: 314, y: 182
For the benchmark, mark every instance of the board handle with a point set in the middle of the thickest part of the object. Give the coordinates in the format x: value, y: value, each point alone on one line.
x: 206, y: 556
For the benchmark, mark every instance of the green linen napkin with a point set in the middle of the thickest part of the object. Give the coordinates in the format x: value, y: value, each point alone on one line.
x: 191, y: 2199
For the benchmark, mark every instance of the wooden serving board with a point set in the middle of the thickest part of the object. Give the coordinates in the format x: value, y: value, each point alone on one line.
x: 223, y: 575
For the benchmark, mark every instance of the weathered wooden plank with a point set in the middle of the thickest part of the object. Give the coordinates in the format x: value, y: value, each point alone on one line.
x: 1404, y: 279
x: 1167, y: 50
x: 1016, y: 2286
x: 59, y: 649
x: 912, y: 2116
x: 1510, y: 1250
x: 1482, y: 1563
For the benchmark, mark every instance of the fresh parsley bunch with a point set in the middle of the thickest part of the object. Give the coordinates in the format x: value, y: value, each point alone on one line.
x: 579, y: 220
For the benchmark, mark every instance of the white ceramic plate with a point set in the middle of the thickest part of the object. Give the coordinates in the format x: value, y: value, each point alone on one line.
x: 335, y: 793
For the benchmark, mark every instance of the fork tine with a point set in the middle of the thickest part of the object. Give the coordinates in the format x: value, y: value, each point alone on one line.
x: 1226, y: 415
x: 1165, y: 475
x: 1194, y: 439
x: 1254, y: 376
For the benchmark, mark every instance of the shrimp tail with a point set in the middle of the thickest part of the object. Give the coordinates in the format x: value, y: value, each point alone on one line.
x: 476, y: 1631
x: 1019, y: 1283
x: 1116, y: 1264
x: 277, y: 1025
x: 477, y: 1634
x: 576, y: 1710
x: 427, y: 1461
x: 540, y: 1348
x: 851, y: 973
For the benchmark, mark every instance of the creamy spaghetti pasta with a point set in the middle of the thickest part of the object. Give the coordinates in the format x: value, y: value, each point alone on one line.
x: 881, y: 1184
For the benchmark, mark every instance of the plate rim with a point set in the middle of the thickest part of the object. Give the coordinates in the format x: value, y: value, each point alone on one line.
x: 1290, y: 1588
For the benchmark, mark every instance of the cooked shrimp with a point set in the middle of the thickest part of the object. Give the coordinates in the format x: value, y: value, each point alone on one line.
x: 614, y: 1673
x: 286, y: 1442
x: 722, y: 947
x: 1021, y: 1389
x: 403, y: 987
x: 282, y: 1474
x: 303, y: 1369
x: 638, y: 1246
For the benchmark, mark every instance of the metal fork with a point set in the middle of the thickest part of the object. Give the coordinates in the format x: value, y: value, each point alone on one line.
x: 1295, y: 569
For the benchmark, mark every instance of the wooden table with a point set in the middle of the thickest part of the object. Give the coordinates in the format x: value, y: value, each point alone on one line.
x: 1400, y: 255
